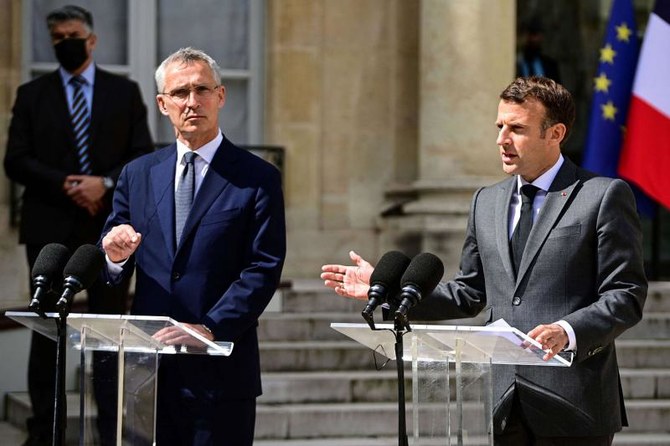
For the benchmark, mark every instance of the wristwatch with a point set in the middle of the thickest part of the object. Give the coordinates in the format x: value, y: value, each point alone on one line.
x: 108, y: 183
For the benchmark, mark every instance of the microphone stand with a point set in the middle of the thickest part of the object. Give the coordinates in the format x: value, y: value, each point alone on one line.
x: 399, y: 332
x: 60, y: 403
x: 400, y: 327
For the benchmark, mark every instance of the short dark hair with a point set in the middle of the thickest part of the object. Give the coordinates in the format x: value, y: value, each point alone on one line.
x: 556, y: 99
x: 70, y: 12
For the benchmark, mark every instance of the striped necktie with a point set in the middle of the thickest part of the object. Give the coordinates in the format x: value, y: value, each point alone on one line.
x: 81, y: 121
x: 183, y: 198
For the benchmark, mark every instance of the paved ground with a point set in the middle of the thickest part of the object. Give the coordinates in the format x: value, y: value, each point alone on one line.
x: 11, y: 436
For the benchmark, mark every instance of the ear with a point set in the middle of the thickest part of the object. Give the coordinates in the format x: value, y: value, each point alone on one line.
x: 558, y: 132
x: 92, y: 42
x: 160, y: 100
x: 222, y: 96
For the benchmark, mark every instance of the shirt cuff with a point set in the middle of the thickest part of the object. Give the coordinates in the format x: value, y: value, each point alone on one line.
x: 114, y: 269
x: 572, y: 339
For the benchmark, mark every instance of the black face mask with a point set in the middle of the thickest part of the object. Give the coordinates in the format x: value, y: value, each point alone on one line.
x: 71, y: 53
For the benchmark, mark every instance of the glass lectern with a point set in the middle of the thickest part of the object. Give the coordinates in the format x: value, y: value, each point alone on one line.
x: 451, y: 383
x: 127, y: 342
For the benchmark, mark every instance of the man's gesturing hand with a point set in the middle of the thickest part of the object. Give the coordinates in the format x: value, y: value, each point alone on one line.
x: 121, y: 242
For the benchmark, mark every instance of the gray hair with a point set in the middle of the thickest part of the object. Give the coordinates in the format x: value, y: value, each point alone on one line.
x: 70, y: 12
x: 186, y: 56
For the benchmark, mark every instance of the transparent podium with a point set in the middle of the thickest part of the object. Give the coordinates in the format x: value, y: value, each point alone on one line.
x: 119, y: 359
x: 451, y: 374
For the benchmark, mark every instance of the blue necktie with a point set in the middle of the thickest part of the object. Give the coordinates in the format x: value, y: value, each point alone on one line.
x: 183, y: 198
x: 81, y: 121
x: 523, y: 227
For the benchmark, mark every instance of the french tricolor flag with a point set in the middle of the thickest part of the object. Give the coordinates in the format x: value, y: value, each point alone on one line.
x: 645, y: 157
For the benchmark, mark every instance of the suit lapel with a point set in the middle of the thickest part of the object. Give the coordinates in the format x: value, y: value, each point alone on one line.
x: 503, y: 199
x: 558, y: 197
x: 162, y: 182
x: 57, y: 100
x: 212, y: 186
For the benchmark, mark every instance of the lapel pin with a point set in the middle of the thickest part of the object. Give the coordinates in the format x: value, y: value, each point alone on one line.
x: 564, y: 194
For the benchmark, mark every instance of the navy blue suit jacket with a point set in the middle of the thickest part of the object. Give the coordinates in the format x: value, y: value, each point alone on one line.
x: 226, y: 268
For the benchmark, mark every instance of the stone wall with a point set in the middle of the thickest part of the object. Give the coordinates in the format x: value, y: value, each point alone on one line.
x: 383, y: 106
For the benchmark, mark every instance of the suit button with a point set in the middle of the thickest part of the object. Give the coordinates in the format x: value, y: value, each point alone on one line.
x: 176, y: 276
x: 516, y: 301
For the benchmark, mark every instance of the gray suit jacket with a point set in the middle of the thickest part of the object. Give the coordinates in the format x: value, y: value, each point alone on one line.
x: 582, y: 263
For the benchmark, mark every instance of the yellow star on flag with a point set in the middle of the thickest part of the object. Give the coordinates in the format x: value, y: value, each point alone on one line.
x: 609, y: 111
x: 623, y: 32
x: 607, y: 54
x: 602, y: 83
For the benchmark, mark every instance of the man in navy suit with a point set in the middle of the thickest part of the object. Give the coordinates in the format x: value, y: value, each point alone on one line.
x: 214, y: 268
x: 68, y: 173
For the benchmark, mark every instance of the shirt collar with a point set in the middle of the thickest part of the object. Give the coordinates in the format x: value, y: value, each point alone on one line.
x: 88, y: 74
x: 543, y: 181
x: 206, y: 151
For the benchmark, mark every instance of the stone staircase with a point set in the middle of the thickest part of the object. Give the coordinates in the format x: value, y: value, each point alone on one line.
x: 320, y: 388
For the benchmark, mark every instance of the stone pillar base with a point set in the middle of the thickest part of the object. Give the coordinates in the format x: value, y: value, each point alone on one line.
x: 430, y: 217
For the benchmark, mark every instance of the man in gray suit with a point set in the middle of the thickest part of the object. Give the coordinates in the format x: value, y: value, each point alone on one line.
x: 576, y: 285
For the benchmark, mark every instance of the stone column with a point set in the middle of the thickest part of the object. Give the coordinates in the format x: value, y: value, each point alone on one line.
x: 13, y: 266
x: 467, y: 50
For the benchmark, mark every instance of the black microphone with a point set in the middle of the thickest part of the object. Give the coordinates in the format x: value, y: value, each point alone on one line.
x: 80, y: 272
x: 48, y: 266
x: 422, y: 276
x: 385, y: 281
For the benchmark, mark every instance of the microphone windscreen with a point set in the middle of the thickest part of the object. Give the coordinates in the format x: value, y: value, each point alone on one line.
x: 85, y: 264
x: 51, y: 261
x: 424, y: 273
x: 389, y: 269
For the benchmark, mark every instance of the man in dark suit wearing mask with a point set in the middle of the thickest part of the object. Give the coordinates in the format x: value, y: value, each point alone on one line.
x: 71, y: 132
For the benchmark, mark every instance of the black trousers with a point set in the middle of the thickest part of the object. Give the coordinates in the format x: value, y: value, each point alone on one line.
x: 42, y: 364
x: 200, y: 416
x: 518, y: 433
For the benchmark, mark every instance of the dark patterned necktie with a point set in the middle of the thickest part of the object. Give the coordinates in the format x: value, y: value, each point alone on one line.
x: 523, y: 227
x: 183, y: 198
x: 81, y: 121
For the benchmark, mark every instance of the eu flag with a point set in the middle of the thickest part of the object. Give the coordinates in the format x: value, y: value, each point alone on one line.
x: 612, y: 89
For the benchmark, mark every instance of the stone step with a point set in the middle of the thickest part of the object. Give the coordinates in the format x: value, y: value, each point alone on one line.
x: 620, y: 439
x: 297, y: 421
x: 658, y: 297
x: 645, y: 383
x: 310, y: 295
x: 316, y: 326
x: 18, y: 409
x: 11, y: 435
x: 643, y: 353
x: 314, y: 355
x: 367, y: 441
x: 381, y: 386
x: 303, y: 326
x: 347, y: 420
x: 349, y: 355
x: 329, y: 386
x: 654, y: 325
